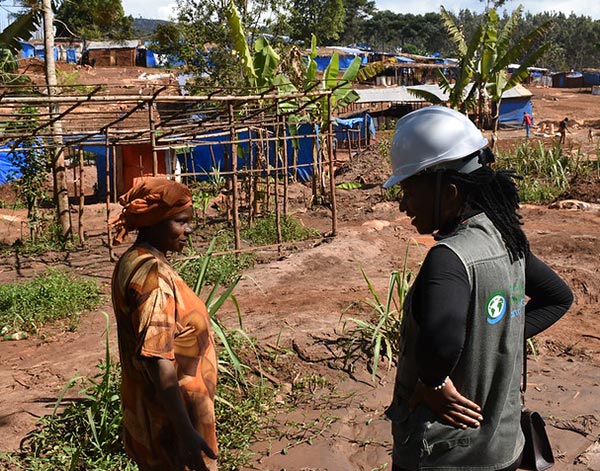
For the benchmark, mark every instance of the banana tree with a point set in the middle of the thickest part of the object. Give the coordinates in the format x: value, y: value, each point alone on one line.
x: 483, y: 61
x: 498, y: 53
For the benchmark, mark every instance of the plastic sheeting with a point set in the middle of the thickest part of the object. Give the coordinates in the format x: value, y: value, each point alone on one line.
x: 364, y: 124
x: 6, y: 167
x: 208, y: 154
x: 511, y: 110
x: 27, y: 50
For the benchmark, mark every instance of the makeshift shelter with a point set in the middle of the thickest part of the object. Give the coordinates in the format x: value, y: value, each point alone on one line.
x: 112, y: 53
x: 209, y: 154
x: 515, y: 102
x: 351, y: 132
x: 6, y: 166
x: 126, y: 162
x: 345, y: 54
x: 567, y: 80
x: 27, y: 50
x: 591, y: 77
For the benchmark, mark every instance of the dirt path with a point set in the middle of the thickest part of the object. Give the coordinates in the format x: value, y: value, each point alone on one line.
x: 296, y: 303
x: 299, y: 299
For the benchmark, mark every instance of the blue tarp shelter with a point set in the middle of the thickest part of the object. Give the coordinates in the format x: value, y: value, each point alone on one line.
x: 512, y: 110
x: 591, y: 78
x: 6, y: 167
x: 208, y: 154
x: 346, y: 129
x: 346, y: 55
x: 27, y: 50
x: 71, y: 55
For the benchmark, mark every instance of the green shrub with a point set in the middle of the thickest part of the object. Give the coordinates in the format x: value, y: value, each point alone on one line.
x: 54, y: 295
x: 264, y: 230
x: 223, y: 269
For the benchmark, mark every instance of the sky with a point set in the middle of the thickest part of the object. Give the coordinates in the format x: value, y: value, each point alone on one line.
x: 161, y: 9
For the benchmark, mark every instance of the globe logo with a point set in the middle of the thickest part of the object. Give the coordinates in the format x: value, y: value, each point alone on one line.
x: 496, y: 307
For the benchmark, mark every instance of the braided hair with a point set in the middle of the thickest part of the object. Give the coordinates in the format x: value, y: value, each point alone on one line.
x: 495, y: 193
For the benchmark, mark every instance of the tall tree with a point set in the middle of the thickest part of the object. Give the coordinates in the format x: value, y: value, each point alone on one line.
x: 96, y: 19
x: 357, y: 12
x: 61, y: 194
x: 323, y: 18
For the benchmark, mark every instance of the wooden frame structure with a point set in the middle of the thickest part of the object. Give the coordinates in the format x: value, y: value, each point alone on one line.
x: 262, y: 126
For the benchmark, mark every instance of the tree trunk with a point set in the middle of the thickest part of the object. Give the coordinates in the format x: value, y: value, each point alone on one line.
x: 61, y: 196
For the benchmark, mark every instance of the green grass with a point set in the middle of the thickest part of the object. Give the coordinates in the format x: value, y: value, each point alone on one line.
x: 377, y: 336
x: 223, y: 269
x: 86, y: 435
x: 546, y: 173
x: 53, y: 295
x: 264, y: 230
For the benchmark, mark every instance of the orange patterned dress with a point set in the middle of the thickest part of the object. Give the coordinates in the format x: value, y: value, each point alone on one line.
x: 159, y: 316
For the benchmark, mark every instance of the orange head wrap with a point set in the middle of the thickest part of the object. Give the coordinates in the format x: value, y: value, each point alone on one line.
x: 149, y: 202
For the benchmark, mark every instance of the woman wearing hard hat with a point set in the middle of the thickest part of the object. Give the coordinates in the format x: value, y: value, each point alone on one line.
x: 456, y: 403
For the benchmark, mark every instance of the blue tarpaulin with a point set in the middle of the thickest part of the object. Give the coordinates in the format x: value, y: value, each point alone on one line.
x: 512, y: 110
x: 208, y: 154
x: 364, y: 124
x: 591, y: 78
x: 71, y: 55
x: 27, y: 50
x: 6, y: 166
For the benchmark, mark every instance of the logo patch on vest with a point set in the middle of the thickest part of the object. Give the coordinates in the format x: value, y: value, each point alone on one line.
x: 495, y: 307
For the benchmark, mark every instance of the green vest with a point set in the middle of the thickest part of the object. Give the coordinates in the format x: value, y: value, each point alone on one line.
x: 488, y: 371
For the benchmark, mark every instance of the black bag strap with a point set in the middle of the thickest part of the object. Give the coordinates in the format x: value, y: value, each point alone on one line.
x: 524, y: 381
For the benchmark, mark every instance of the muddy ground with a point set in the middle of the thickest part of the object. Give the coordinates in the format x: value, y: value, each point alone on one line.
x: 292, y: 305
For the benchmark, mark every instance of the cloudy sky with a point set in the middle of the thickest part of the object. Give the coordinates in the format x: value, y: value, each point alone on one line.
x: 163, y: 8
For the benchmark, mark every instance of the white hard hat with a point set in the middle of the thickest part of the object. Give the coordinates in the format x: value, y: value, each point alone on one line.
x: 431, y: 138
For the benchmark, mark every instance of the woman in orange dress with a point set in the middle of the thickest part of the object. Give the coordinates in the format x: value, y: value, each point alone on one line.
x: 166, y: 346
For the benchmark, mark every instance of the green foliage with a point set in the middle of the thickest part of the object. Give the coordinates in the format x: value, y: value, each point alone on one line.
x: 546, y: 173
x: 222, y: 268
x: 53, y: 295
x: 21, y: 28
x: 264, y: 231
x: 29, y: 162
x: 86, y: 435
x: 323, y: 18
x: 378, y: 336
x: 96, y: 19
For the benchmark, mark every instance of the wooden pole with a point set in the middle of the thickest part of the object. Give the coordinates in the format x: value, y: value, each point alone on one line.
x: 115, y: 190
x: 314, y: 167
x: 81, y: 232
x: 276, y: 181
x: 251, y: 178
x: 152, y: 125
x: 285, y: 168
x: 331, y: 169
x: 111, y: 254
x: 234, y: 177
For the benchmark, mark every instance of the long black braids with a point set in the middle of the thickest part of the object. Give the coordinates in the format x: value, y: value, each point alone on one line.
x: 495, y: 193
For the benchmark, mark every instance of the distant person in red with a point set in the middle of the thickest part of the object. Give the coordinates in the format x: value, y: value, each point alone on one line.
x: 527, y: 122
x: 562, y: 127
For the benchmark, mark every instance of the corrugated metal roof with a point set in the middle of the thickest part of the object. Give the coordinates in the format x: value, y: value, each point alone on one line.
x: 388, y: 94
x: 402, y: 94
x: 518, y: 91
x: 129, y: 44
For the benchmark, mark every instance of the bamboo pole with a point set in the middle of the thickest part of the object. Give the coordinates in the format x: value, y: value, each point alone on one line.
x: 81, y: 232
x: 276, y: 187
x: 314, y: 169
x: 234, y: 178
x: 152, y: 125
x: 251, y: 178
x: 331, y: 170
x: 115, y: 191
x: 111, y: 254
x: 285, y: 167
